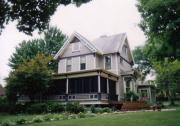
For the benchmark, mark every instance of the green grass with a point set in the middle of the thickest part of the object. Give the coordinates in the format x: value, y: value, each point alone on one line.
x: 171, y: 118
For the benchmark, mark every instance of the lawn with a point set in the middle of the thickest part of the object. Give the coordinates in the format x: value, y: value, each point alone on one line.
x: 170, y: 118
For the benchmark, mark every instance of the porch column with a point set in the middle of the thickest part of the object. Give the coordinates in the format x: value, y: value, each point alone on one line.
x: 99, y: 83
x: 99, y: 87
x: 67, y: 86
x: 150, y: 95
x: 107, y: 86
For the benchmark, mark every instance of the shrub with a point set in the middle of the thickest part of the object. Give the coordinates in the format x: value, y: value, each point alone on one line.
x: 72, y: 116
x: 47, y: 117
x: 65, y: 116
x: 74, y: 107
x: 21, y: 121
x: 81, y: 115
x: 106, y: 109
x: 131, y: 96
x: 37, y: 119
x: 56, y: 107
x: 93, y: 109
x: 89, y: 114
x: 8, y: 123
x: 37, y: 108
x: 57, y: 117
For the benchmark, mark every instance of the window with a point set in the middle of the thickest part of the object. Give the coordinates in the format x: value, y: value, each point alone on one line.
x: 108, y: 62
x: 128, y: 87
x: 125, y: 49
x: 75, y: 46
x: 68, y: 65
x: 82, y: 62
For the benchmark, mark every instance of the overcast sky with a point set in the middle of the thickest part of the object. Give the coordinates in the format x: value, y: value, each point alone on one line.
x: 96, y: 18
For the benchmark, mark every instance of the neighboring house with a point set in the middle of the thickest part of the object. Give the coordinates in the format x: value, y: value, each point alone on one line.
x: 146, y: 91
x: 94, y: 72
x: 2, y: 91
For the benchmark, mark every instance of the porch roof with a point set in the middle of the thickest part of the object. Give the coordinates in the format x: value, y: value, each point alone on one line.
x: 84, y: 73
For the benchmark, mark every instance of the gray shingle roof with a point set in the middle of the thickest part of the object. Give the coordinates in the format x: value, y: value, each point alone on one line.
x: 109, y: 44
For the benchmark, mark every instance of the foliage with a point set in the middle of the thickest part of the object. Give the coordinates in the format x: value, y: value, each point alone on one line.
x: 37, y: 108
x: 56, y: 107
x: 81, y: 115
x: 142, y: 64
x: 49, y: 45
x: 30, y: 79
x: 160, y: 22
x: 30, y: 14
x: 168, y: 78
x: 131, y: 96
x: 21, y: 121
x: 37, y: 119
x: 74, y: 107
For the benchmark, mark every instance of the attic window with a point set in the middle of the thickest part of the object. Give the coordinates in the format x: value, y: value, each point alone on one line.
x: 125, y: 49
x: 75, y: 46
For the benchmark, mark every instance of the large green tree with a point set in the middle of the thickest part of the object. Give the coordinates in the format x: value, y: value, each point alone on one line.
x: 49, y: 45
x: 161, y: 23
x: 31, y: 14
x: 142, y: 63
x: 31, y: 78
x: 168, y: 78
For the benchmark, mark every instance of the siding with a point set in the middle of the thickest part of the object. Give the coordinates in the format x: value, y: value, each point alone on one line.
x: 62, y: 66
x: 83, y: 50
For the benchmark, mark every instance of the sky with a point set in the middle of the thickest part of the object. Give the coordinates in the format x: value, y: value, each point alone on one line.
x: 94, y: 19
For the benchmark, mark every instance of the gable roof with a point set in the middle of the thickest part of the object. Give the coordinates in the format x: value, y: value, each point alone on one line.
x: 83, y: 40
x: 110, y: 44
x: 101, y: 45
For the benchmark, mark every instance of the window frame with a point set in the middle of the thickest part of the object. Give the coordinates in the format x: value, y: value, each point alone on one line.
x: 82, y: 63
x: 105, y: 67
x: 73, y: 47
x: 68, y: 65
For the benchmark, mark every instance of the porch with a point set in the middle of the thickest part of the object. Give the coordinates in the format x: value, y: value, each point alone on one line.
x: 87, y: 87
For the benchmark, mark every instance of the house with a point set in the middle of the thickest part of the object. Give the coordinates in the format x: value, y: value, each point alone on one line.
x: 94, y: 72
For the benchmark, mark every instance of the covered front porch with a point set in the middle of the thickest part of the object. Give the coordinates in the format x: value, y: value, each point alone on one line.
x: 87, y: 87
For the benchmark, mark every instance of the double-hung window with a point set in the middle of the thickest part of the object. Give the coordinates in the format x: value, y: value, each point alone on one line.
x: 108, y: 62
x: 68, y: 64
x: 82, y: 62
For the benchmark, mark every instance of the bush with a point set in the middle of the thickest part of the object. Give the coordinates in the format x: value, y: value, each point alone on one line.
x: 21, y: 121
x: 93, y: 109
x: 131, y: 96
x: 65, y: 116
x: 37, y: 108
x: 89, y: 114
x: 37, y: 119
x: 8, y: 123
x: 81, y: 115
x: 74, y: 107
x: 47, y: 117
x: 56, y: 107
x: 106, y: 109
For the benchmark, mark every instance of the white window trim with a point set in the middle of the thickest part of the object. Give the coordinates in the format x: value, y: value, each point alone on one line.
x: 66, y: 64
x: 80, y: 62
x: 105, y: 61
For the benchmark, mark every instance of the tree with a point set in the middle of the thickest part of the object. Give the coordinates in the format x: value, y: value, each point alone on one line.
x: 49, y: 45
x: 31, y: 14
x: 168, y: 78
x: 161, y: 23
x: 30, y: 79
x: 142, y: 63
